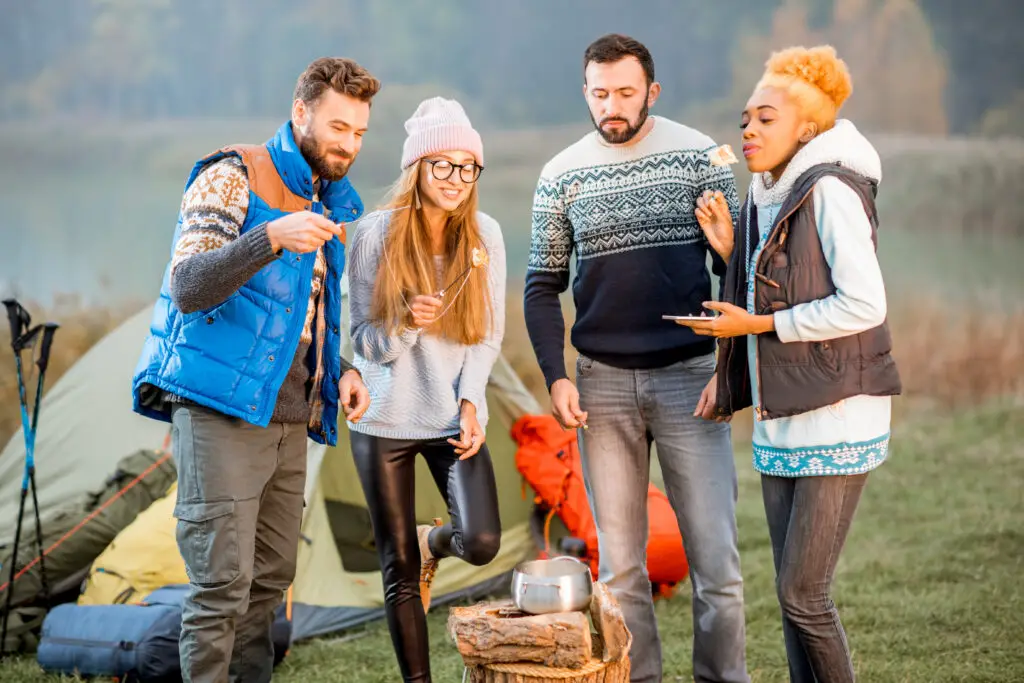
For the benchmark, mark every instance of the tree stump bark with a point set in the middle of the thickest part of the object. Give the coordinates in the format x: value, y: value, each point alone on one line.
x: 498, y: 633
x: 615, y: 638
x: 595, y: 671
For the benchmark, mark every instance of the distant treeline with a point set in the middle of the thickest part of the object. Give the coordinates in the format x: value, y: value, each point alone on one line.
x: 518, y: 63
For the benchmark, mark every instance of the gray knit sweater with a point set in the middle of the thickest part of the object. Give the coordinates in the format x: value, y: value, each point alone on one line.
x: 416, y: 380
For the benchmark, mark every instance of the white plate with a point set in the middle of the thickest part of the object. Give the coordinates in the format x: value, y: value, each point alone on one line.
x: 697, y: 318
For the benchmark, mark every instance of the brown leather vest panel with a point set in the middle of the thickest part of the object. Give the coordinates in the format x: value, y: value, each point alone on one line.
x: 266, y: 183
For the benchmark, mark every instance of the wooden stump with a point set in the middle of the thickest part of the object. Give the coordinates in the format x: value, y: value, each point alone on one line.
x: 493, y: 633
x: 595, y: 671
x: 500, y: 644
x: 606, y: 614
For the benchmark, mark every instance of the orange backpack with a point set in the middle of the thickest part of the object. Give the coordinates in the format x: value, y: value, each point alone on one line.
x: 548, y: 458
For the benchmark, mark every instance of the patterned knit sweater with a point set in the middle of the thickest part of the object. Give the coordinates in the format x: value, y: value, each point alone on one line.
x: 418, y: 380
x: 212, y: 260
x: 627, y: 212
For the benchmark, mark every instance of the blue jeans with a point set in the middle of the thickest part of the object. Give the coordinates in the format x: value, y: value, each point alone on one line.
x: 627, y: 411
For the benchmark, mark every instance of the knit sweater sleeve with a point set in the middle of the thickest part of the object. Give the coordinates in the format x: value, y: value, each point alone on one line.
x: 480, y: 358
x: 547, y: 276
x: 369, y: 339
x: 212, y: 258
x: 858, y: 303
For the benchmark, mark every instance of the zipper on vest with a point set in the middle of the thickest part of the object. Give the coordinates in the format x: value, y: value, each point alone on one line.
x: 759, y: 409
x: 320, y: 208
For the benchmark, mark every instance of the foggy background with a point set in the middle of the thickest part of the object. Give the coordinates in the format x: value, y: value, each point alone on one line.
x: 106, y: 104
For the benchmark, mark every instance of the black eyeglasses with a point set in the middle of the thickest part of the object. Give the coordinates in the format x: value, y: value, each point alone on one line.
x: 442, y: 169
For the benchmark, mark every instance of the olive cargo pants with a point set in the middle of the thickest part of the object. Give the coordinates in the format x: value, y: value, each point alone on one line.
x: 239, y: 509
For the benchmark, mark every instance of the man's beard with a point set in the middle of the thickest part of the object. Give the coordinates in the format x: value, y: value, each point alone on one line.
x: 321, y: 167
x: 625, y: 135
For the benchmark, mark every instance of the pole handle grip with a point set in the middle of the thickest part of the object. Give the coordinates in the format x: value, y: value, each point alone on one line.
x: 49, y: 329
x: 19, y: 320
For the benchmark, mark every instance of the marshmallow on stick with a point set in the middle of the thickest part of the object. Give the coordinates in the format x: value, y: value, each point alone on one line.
x: 480, y: 258
x: 722, y: 156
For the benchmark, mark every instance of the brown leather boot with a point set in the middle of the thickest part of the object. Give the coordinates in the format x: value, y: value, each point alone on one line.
x: 428, y: 563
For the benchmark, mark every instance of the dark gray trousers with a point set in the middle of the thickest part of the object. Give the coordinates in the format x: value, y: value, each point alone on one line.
x: 808, y: 520
x: 239, y: 509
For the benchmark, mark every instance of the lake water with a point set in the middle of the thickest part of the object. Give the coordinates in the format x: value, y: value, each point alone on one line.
x: 103, y: 233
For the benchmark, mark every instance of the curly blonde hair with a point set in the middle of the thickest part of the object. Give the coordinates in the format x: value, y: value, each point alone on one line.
x: 816, y: 78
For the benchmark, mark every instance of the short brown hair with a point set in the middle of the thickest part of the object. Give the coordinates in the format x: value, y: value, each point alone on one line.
x: 341, y: 74
x: 615, y: 46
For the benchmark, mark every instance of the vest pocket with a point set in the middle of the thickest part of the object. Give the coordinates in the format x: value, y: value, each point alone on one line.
x: 825, y: 357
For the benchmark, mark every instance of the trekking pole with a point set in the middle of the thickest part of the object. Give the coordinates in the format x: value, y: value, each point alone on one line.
x: 19, y: 320
x: 22, y: 336
x: 30, y: 457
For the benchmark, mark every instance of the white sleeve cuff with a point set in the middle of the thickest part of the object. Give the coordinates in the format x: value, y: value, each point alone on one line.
x: 473, y: 397
x: 785, y: 327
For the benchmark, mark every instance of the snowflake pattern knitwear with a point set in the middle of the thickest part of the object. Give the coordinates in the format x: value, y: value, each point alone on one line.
x: 627, y: 212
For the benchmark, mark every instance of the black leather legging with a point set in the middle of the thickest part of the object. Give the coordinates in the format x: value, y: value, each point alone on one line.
x: 386, y: 469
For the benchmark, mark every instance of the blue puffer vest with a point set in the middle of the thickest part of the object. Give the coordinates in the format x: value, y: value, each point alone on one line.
x: 234, y: 357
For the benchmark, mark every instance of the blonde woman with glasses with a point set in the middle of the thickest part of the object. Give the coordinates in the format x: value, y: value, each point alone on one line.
x: 427, y: 318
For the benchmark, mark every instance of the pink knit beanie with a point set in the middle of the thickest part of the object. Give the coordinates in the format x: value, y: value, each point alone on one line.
x: 439, y: 125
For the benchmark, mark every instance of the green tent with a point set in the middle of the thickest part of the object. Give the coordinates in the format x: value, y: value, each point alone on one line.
x: 87, y: 426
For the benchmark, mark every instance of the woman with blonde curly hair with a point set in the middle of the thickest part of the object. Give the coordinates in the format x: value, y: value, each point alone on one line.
x: 804, y: 337
x: 427, y: 299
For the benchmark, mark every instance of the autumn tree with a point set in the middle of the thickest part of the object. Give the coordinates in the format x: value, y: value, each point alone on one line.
x: 899, y: 76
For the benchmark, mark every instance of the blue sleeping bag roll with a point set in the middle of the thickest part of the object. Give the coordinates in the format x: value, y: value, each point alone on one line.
x: 133, y: 642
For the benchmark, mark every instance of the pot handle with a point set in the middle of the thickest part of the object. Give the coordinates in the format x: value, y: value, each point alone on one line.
x: 526, y: 587
x: 578, y: 561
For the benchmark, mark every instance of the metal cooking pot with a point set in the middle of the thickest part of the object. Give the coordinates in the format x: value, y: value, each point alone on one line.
x: 562, y: 584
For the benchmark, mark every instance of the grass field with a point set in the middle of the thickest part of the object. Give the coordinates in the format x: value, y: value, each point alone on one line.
x: 928, y: 586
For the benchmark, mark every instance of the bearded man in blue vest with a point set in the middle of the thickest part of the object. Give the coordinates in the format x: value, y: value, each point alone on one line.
x: 244, y: 360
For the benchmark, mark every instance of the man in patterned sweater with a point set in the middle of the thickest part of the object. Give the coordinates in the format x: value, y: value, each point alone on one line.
x: 622, y: 199
x: 243, y: 358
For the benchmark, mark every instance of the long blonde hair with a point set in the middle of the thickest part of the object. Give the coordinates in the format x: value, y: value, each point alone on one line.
x: 408, y: 268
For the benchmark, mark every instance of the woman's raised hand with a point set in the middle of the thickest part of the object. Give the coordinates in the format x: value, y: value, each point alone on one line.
x: 713, y: 215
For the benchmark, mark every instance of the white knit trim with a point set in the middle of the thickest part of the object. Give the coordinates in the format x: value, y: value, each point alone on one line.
x: 842, y: 144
